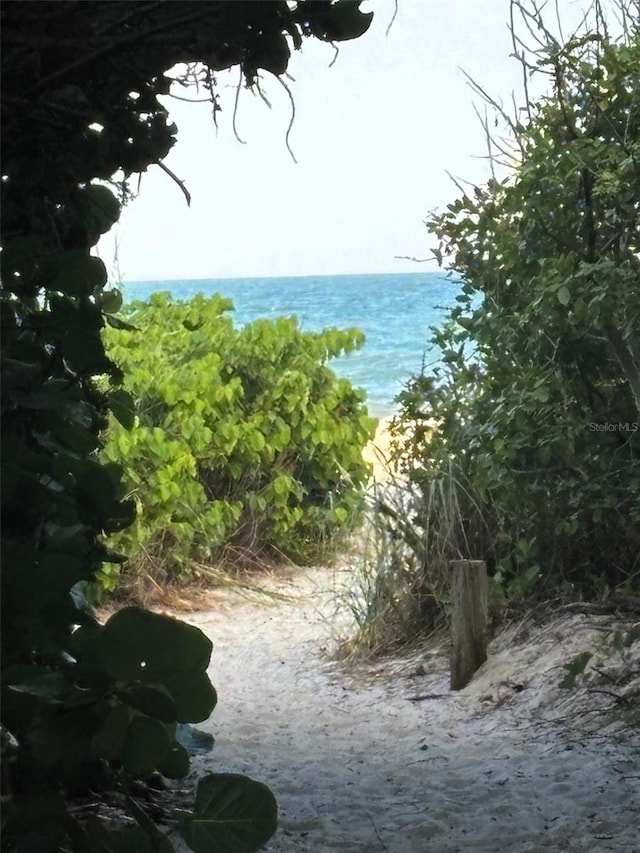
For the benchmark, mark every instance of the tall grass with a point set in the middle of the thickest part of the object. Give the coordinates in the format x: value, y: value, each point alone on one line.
x: 414, y: 527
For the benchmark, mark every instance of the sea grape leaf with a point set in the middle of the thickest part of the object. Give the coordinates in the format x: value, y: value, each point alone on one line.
x: 337, y: 21
x: 153, y: 700
x: 272, y: 53
x: 101, y: 205
x: 84, y: 350
x: 65, y: 738
x: 75, y: 272
x: 233, y: 814
x: 119, y: 323
x: 99, y: 485
x: 193, y: 694
x: 176, y: 763
x: 123, y: 407
x: 108, y: 742
x: 137, y: 645
x: 564, y: 295
x: 145, y: 745
x: 62, y: 570
x: 111, y: 301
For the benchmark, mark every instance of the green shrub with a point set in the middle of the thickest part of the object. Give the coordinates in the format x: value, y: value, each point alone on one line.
x: 542, y: 429
x: 534, y: 465
x: 246, y: 445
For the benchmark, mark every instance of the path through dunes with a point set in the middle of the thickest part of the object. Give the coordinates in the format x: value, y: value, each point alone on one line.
x: 384, y: 757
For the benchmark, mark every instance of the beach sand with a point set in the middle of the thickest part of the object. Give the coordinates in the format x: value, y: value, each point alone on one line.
x: 384, y: 757
x: 378, y: 453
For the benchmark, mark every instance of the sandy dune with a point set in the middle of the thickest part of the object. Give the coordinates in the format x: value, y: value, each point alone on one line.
x: 383, y: 757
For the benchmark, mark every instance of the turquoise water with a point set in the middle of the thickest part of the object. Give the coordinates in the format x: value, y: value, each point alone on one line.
x: 394, y: 311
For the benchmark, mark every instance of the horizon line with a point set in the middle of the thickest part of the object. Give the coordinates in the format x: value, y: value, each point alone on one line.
x: 439, y: 272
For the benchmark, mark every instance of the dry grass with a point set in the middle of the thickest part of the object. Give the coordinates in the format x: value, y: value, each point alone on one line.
x: 407, y: 542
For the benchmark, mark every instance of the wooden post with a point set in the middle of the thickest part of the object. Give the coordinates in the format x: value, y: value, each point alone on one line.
x: 468, y: 620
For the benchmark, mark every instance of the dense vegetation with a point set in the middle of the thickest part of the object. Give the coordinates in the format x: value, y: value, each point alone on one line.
x: 534, y: 464
x: 87, y: 707
x: 247, y: 447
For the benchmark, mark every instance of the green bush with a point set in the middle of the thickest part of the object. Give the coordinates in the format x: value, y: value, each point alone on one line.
x: 542, y: 429
x: 246, y: 445
x: 534, y: 462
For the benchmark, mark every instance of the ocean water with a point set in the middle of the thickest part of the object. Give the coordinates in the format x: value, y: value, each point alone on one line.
x: 394, y: 311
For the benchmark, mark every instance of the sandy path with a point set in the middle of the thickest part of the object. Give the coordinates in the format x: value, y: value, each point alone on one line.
x: 359, y: 763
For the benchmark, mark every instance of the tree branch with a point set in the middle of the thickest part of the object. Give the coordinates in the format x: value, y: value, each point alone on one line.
x: 177, y: 180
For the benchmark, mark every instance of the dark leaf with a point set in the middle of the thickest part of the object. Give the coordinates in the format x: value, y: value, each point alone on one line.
x: 137, y: 645
x: 119, y: 323
x: 193, y: 694
x: 77, y: 273
x: 153, y: 700
x: 145, y: 745
x: 175, y: 764
x: 122, y: 405
x: 233, y: 814
x: 336, y: 21
x: 108, y: 742
x: 111, y: 301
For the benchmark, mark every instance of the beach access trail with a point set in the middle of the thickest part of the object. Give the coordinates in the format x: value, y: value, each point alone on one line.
x: 384, y: 757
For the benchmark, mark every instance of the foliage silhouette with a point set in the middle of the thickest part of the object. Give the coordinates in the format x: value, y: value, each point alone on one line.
x: 80, y: 88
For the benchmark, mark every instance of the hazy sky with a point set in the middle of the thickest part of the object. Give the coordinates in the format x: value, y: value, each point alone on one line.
x: 374, y: 136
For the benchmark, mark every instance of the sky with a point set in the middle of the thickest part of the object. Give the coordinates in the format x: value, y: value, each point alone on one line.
x: 374, y: 136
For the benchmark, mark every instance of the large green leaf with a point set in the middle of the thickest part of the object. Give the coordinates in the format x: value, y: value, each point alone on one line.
x: 336, y: 21
x: 233, y: 814
x: 122, y: 405
x: 108, y: 742
x: 99, y: 486
x: 77, y: 273
x: 151, y: 699
x: 193, y: 694
x: 137, y: 645
x: 101, y: 206
x: 119, y: 323
x: 145, y: 746
x: 176, y: 763
x: 110, y: 301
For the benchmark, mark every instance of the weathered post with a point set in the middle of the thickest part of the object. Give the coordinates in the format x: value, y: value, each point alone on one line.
x: 468, y: 620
